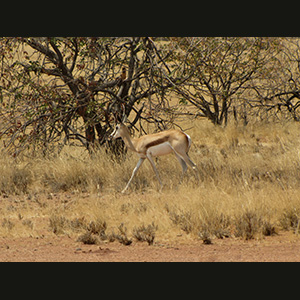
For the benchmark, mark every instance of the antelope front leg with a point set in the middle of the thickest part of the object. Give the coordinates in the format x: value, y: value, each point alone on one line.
x: 140, y: 162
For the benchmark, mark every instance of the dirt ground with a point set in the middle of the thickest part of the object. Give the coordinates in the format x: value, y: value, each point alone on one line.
x: 283, y: 247
x: 45, y: 246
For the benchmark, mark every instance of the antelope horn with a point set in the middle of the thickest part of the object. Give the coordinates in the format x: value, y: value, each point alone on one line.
x: 124, y: 117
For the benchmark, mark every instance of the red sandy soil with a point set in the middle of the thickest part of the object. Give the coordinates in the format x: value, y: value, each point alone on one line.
x: 283, y: 247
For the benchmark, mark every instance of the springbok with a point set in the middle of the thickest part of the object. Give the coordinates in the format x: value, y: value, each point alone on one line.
x: 156, y: 144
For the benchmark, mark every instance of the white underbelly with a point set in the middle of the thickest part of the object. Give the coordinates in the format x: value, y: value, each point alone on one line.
x: 161, y: 149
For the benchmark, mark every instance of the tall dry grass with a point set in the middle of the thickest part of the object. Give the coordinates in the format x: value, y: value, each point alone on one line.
x: 248, y: 188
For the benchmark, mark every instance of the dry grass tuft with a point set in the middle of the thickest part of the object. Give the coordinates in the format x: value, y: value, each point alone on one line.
x: 290, y: 219
x: 145, y: 234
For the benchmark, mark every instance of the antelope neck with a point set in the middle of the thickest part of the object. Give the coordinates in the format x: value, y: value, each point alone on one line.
x: 128, y: 142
